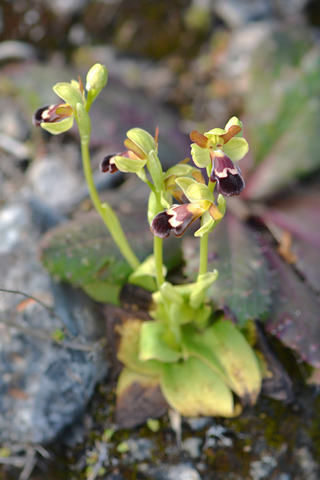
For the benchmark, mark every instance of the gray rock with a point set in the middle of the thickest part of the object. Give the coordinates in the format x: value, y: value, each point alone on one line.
x: 262, y: 469
x: 140, y: 449
x: 192, y: 445
x: 44, y: 384
x: 182, y: 471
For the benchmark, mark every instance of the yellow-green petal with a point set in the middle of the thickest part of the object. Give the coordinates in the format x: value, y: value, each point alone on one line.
x: 200, y: 156
x: 142, y: 139
x: 236, y: 148
x: 58, y: 127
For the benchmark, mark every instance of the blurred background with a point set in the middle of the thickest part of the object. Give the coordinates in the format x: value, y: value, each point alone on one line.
x: 203, y: 60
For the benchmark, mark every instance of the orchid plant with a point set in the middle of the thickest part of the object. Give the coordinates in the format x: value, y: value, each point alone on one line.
x: 196, y: 359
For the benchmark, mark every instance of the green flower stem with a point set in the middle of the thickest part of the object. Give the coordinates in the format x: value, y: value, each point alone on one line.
x: 158, y: 250
x: 203, y: 255
x: 106, y: 212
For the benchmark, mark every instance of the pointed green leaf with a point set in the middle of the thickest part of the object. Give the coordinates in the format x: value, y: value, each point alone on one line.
x: 170, y: 293
x: 58, y: 127
x: 193, y: 389
x: 69, y: 93
x: 153, y: 345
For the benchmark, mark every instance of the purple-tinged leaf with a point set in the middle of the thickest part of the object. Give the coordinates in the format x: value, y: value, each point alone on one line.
x: 295, y: 313
x: 244, y: 285
x: 300, y: 217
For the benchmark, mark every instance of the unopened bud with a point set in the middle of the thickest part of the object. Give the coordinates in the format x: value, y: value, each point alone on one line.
x: 97, y: 77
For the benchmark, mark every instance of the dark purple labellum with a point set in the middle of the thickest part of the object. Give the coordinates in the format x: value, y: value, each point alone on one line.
x: 176, y: 219
x: 37, y: 117
x: 108, y: 165
x: 227, y: 175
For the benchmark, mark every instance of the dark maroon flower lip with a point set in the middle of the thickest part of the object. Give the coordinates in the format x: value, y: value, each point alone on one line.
x: 51, y: 113
x: 107, y: 164
x: 37, y: 117
x: 227, y: 175
x: 176, y: 219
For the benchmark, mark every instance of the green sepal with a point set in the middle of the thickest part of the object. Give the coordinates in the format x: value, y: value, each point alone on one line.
x: 153, y: 345
x: 84, y: 123
x: 155, y: 170
x: 193, y: 389
x: 235, y: 121
x: 59, y: 127
x: 142, y: 139
x: 178, y: 170
x: 199, y: 191
x: 236, y: 148
x: 184, y: 183
x: 144, y: 276
x: 69, y: 93
x: 200, y: 156
x: 204, y: 281
x: 215, y: 131
x: 129, y: 165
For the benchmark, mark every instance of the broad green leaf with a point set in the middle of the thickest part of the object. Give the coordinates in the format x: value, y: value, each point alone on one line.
x: 153, y: 344
x: 237, y: 359
x: 81, y: 252
x: 196, y: 344
x: 193, y: 389
x: 128, y: 352
x: 244, y: 282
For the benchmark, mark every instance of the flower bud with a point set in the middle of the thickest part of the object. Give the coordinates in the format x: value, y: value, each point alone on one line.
x: 97, y: 77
